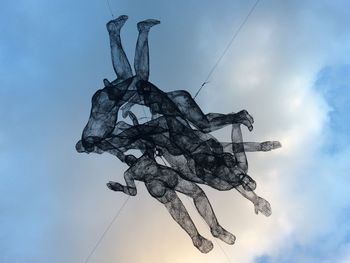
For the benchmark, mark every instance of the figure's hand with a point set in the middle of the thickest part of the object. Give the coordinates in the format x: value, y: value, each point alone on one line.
x: 114, y: 186
x: 243, y: 117
x: 270, y: 145
x: 263, y: 207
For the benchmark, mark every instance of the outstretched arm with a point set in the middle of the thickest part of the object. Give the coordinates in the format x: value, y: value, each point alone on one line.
x: 251, y: 146
x: 129, y: 188
x: 191, y: 111
x: 260, y: 204
x: 181, y: 103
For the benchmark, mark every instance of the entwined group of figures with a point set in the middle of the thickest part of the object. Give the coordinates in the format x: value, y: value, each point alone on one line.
x: 178, y: 132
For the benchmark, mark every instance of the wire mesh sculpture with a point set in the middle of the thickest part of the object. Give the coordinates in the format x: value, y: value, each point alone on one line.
x: 193, y: 155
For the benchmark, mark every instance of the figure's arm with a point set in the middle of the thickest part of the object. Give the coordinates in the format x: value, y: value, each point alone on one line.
x: 129, y: 188
x: 217, y: 120
x: 251, y: 146
x: 191, y: 111
x: 260, y: 204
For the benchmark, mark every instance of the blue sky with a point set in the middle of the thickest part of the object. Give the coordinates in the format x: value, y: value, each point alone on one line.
x: 289, y: 67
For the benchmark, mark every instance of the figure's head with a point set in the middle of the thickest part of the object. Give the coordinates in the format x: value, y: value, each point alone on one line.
x: 79, y: 147
x: 86, y: 146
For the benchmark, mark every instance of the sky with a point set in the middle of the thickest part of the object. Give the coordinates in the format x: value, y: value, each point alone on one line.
x: 289, y: 67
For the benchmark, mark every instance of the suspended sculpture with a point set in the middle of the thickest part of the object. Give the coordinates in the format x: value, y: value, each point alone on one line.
x: 193, y: 155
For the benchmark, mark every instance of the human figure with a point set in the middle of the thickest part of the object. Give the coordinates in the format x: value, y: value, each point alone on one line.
x: 169, y: 132
x: 181, y: 103
x: 178, y: 139
x: 237, y: 147
x: 218, y: 178
x: 162, y: 183
x: 260, y: 204
x: 105, y: 105
x: 107, y: 101
x: 181, y: 98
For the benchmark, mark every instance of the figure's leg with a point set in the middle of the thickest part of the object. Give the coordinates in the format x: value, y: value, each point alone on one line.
x: 141, y: 60
x: 180, y: 103
x: 179, y: 213
x: 205, y: 210
x: 120, y: 62
x: 207, y: 122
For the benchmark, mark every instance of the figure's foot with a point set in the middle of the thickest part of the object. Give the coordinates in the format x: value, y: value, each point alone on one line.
x: 115, y: 25
x: 147, y: 24
x: 204, y: 245
x: 114, y: 186
x: 263, y: 207
x: 107, y: 83
x: 270, y: 145
x: 244, y: 118
x: 224, y: 235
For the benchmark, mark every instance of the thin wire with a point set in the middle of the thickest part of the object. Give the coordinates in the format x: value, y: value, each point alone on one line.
x: 223, y: 251
x: 109, y: 7
x: 227, y: 47
x: 107, y: 229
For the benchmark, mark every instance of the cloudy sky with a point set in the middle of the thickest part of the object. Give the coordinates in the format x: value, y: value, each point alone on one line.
x: 289, y: 67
